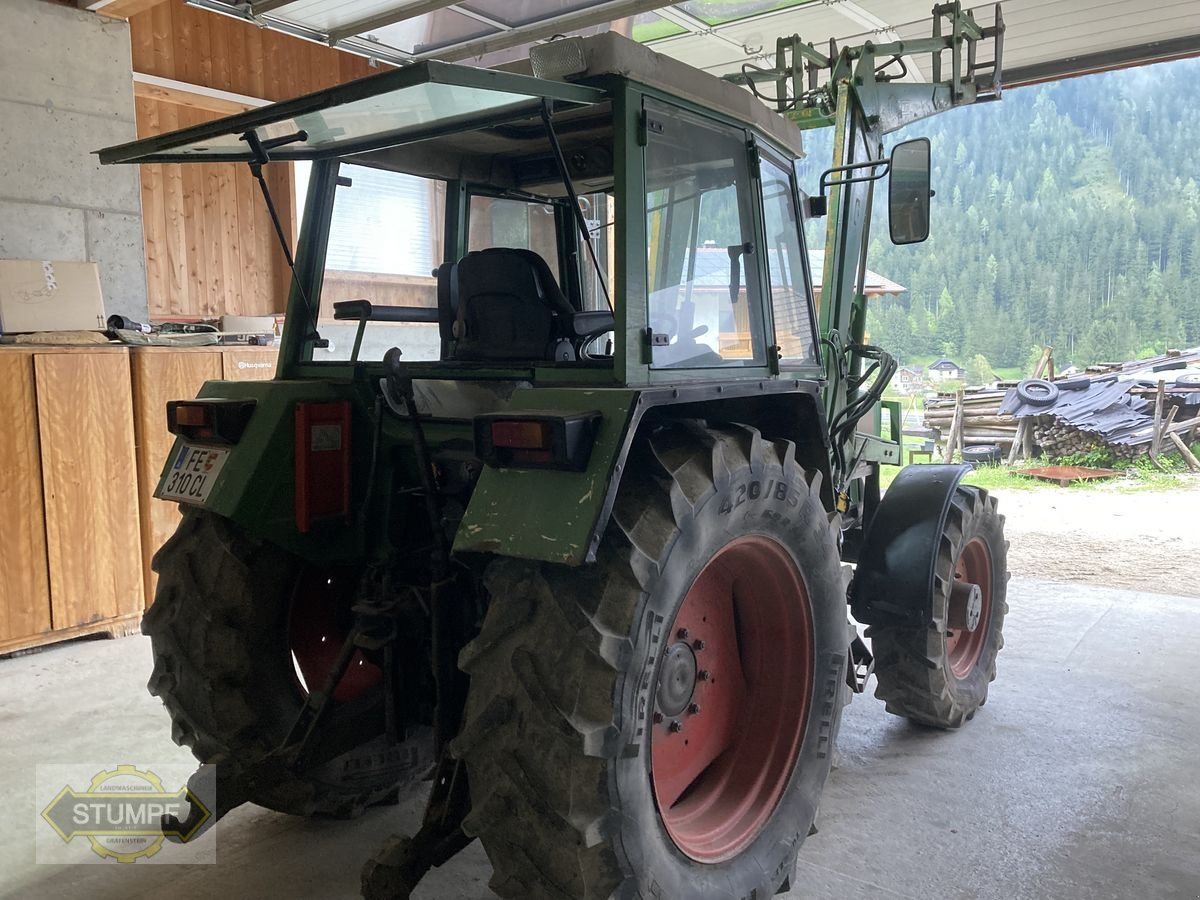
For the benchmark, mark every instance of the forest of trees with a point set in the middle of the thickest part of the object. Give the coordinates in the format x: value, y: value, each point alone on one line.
x: 1067, y: 214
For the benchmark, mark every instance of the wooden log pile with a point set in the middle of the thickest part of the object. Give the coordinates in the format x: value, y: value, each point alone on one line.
x: 1058, y: 438
x: 978, y: 422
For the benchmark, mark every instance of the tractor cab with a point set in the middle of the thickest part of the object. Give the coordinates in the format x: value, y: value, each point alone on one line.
x: 614, y: 220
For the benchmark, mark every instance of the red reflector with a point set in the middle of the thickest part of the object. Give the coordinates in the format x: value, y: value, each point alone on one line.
x: 518, y: 435
x: 322, y: 462
x: 191, y: 414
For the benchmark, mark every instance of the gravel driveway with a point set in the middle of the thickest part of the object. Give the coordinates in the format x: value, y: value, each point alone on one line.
x: 1148, y: 541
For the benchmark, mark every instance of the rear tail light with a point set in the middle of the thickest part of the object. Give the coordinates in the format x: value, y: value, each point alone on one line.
x: 209, y: 421
x: 322, y: 462
x: 536, y: 440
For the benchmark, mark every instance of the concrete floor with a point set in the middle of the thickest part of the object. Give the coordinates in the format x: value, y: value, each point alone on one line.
x: 1077, y: 780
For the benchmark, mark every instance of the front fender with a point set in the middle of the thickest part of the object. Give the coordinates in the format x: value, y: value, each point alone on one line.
x: 893, y: 582
x: 894, y: 577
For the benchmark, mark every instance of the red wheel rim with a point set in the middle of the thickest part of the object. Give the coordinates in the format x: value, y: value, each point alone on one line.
x: 318, y: 623
x: 963, y: 647
x: 721, y: 764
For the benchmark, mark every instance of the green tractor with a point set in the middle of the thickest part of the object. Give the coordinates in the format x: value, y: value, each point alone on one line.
x: 567, y: 527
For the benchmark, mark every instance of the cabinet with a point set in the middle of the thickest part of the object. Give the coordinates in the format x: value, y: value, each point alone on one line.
x: 83, y: 442
x: 24, y: 576
x: 70, y: 550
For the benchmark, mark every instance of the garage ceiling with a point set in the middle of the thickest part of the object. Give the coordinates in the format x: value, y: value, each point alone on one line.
x: 1045, y: 39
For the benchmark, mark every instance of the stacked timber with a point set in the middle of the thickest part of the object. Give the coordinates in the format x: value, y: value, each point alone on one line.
x: 980, y: 421
x: 1058, y: 437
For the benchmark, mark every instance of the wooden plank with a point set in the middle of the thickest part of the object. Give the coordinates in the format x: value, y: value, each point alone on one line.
x: 255, y: 298
x: 1156, y: 435
x: 160, y: 374
x: 154, y: 224
x: 193, y: 216
x: 162, y: 22
x: 183, y: 94
x: 1188, y: 456
x: 141, y: 41
x: 214, y: 238
x: 179, y: 285
x: 955, y: 437
x: 231, y: 300
x: 85, y: 423
x: 121, y: 626
x: 24, y: 578
x: 218, y: 31
x: 249, y: 363
x: 235, y: 48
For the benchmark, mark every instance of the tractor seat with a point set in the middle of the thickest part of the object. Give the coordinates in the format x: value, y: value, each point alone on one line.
x: 504, y: 304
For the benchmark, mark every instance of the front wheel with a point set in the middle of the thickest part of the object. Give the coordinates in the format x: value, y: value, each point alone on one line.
x: 660, y: 724
x: 939, y: 675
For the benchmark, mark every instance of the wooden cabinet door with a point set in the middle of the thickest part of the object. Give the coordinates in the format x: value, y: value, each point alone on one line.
x: 161, y: 374
x: 250, y: 363
x: 24, y: 579
x: 89, y: 482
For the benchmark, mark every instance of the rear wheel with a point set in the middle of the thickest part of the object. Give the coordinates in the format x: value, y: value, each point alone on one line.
x: 939, y: 675
x: 240, y: 630
x: 660, y: 723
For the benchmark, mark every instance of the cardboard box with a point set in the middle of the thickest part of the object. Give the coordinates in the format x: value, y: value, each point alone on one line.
x: 49, y: 296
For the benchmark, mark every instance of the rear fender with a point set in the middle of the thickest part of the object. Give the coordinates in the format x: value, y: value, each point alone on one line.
x: 558, y: 516
x: 893, y: 583
x: 256, y: 486
x: 550, y: 514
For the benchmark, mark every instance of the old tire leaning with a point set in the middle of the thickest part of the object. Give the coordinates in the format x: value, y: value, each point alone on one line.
x: 571, y: 667
x: 223, y: 669
x: 938, y: 675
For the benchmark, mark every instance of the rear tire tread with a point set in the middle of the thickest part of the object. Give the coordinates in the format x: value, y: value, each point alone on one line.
x: 555, y: 670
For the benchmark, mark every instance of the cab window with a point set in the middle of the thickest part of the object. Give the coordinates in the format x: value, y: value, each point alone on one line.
x: 704, y: 296
x: 385, y: 237
x: 518, y: 224
x: 787, y: 267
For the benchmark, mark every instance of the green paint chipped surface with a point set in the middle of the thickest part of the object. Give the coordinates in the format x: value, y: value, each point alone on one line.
x: 541, y: 513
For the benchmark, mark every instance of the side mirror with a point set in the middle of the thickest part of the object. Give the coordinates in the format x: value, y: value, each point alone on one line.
x: 909, y: 193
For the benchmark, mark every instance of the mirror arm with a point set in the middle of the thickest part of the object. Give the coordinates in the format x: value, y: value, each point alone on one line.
x: 819, y: 205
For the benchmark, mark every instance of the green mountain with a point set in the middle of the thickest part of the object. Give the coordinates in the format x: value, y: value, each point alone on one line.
x: 1067, y: 214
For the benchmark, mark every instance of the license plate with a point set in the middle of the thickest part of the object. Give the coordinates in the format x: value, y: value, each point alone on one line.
x: 192, y: 474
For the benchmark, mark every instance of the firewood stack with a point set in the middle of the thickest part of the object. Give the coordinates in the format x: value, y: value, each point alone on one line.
x: 981, y: 419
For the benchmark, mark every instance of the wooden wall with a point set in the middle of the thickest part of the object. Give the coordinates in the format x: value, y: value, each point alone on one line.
x: 210, y: 246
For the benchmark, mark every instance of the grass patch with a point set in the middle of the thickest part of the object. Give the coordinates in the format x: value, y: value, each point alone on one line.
x: 1140, y: 475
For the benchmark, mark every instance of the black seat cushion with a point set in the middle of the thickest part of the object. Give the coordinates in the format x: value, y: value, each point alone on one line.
x: 502, y: 303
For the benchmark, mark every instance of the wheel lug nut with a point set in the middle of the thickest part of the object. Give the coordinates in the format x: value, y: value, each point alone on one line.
x: 698, y: 644
x: 704, y: 675
x: 682, y: 634
x: 693, y: 708
x: 674, y: 727
x: 658, y: 717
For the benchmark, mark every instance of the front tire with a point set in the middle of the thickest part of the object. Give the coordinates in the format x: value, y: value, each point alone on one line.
x: 602, y: 762
x: 939, y: 675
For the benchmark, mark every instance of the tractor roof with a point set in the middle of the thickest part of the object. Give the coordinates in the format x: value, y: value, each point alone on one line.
x: 614, y: 54
x: 426, y: 103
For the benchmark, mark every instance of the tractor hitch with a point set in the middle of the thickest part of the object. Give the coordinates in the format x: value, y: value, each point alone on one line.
x: 396, y: 869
